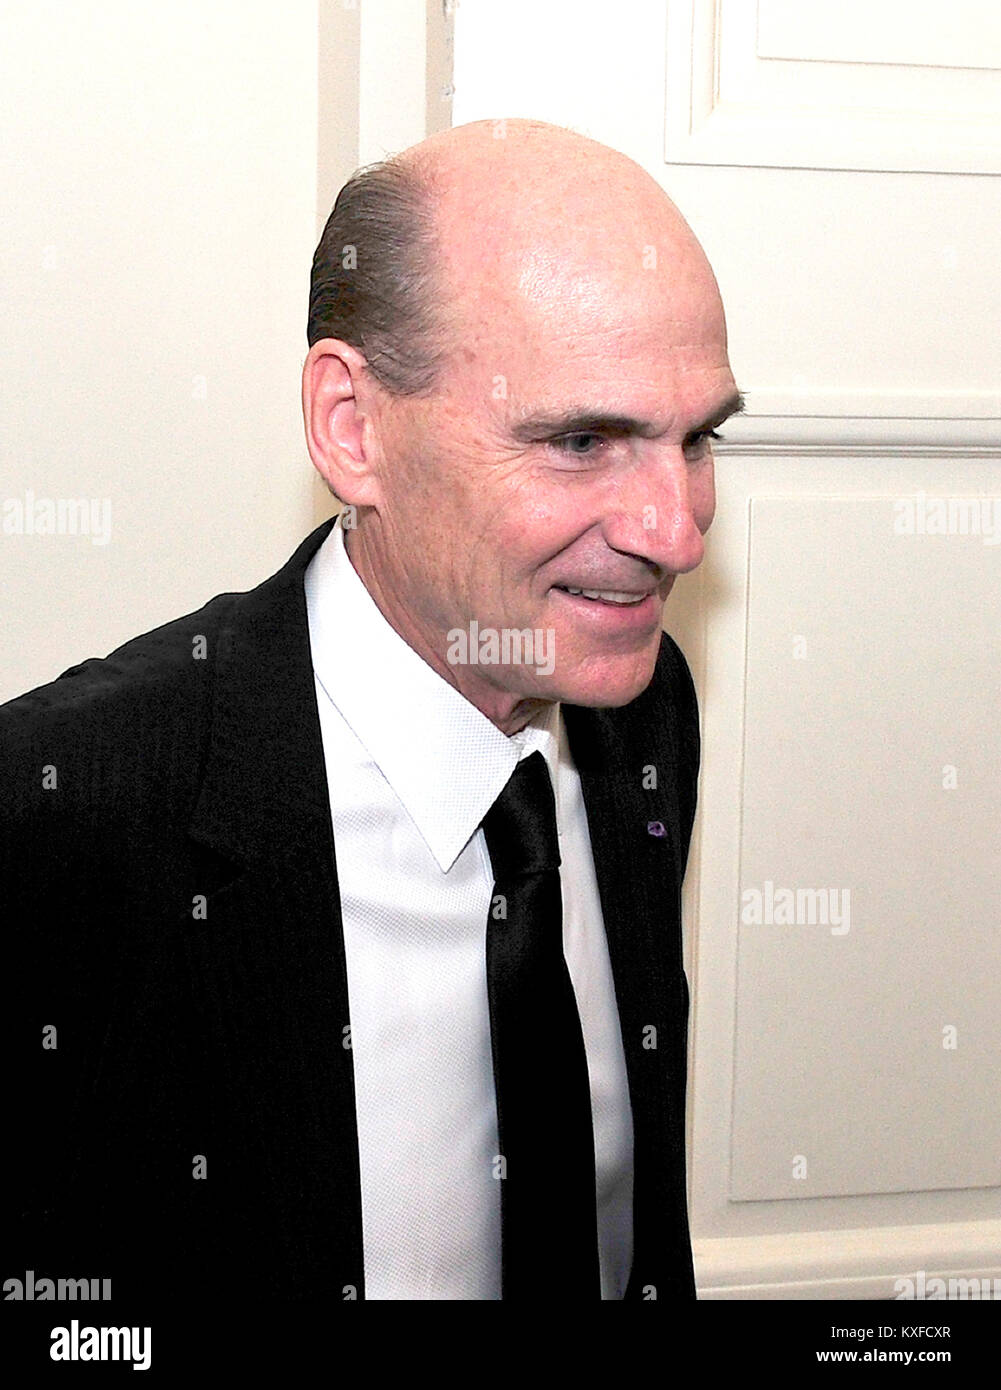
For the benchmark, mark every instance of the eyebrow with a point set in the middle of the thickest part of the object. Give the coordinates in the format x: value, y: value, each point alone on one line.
x: 580, y: 421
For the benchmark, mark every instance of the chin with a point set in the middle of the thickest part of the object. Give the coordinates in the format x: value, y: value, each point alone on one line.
x: 615, y: 684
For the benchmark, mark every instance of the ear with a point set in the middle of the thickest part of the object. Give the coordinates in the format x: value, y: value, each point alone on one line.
x: 339, y: 433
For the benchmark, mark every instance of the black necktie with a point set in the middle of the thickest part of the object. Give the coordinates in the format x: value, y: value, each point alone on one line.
x: 546, y: 1142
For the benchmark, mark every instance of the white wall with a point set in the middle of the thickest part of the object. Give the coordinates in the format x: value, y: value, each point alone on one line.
x: 159, y: 173
x: 842, y: 175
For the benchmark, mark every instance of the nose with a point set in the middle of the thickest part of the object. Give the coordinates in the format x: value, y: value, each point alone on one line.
x: 661, y: 510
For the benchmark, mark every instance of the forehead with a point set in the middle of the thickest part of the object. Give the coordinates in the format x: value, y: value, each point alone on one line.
x: 636, y: 327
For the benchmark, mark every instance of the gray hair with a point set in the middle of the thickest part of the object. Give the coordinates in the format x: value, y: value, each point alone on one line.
x: 376, y: 280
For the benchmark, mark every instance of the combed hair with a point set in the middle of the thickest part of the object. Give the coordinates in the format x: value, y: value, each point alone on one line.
x: 389, y: 306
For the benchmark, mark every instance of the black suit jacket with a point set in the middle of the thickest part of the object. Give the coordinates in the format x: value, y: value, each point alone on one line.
x: 173, y: 914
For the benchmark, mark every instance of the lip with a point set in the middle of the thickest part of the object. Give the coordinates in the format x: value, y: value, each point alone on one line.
x: 613, y: 617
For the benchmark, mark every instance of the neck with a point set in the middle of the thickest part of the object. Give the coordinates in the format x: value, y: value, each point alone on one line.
x: 507, y: 710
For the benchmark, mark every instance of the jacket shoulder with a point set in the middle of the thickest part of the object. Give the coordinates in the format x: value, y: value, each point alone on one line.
x: 115, y: 737
x: 149, y: 673
x: 161, y: 663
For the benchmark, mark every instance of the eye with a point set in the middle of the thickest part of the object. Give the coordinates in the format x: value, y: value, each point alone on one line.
x: 580, y: 444
x: 698, y: 442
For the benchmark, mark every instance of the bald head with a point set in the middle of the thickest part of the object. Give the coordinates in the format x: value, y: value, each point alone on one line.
x: 494, y: 217
x: 507, y: 179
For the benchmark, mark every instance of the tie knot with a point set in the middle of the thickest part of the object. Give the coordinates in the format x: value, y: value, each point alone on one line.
x: 520, y: 826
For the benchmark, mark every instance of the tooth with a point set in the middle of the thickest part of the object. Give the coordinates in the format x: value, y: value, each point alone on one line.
x: 612, y: 596
x: 608, y: 595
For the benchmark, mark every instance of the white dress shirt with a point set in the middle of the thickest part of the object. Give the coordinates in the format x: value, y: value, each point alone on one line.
x: 412, y: 769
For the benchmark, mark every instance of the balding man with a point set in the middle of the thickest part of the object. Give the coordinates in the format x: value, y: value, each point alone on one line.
x: 351, y: 905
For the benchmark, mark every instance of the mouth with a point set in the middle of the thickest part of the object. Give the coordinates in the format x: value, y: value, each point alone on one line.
x: 611, y: 614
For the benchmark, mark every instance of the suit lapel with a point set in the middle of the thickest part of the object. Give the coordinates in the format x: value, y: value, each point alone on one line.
x: 635, y: 833
x: 266, y: 965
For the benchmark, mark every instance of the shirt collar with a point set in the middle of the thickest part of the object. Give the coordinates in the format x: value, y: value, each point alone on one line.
x: 444, y: 759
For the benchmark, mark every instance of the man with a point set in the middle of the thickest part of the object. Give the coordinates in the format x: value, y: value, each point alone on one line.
x: 346, y: 913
